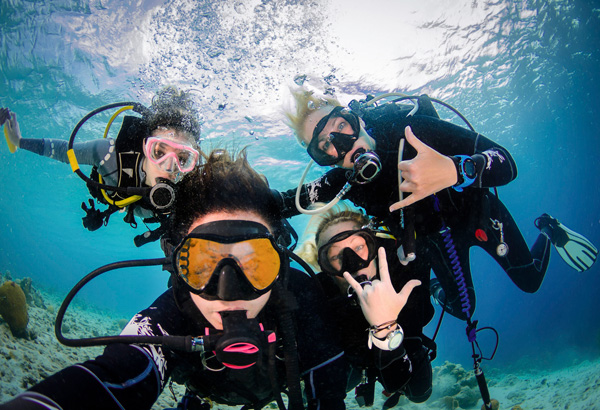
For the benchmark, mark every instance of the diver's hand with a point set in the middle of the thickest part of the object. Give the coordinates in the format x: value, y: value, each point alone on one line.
x: 11, y: 126
x: 93, y: 218
x: 379, y: 301
x: 4, y: 115
x: 425, y: 174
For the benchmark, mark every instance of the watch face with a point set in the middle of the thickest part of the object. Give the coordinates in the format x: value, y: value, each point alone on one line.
x: 469, y: 167
x: 395, y: 339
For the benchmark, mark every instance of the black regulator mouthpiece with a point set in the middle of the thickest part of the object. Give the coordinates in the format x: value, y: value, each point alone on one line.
x: 162, y: 195
x: 242, y: 341
x: 367, y: 167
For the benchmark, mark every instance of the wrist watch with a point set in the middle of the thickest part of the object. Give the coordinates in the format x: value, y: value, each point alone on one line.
x: 391, y: 341
x: 466, y: 171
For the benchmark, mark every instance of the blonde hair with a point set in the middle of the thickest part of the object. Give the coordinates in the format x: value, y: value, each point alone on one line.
x: 306, y: 102
x: 342, y: 212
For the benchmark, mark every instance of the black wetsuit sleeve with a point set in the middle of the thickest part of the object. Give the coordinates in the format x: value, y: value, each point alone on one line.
x: 322, y: 361
x: 323, y: 189
x: 124, y: 377
x: 495, y: 165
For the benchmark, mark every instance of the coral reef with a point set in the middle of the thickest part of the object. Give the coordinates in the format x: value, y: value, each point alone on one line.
x: 32, y: 295
x: 455, y: 387
x: 13, y: 308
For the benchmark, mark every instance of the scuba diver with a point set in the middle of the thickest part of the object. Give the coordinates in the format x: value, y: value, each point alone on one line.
x: 138, y: 170
x: 255, y: 325
x: 366, y: 290
x: 448, y: 170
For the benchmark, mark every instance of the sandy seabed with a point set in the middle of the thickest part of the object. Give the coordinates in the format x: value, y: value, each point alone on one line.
x: 23, y: 362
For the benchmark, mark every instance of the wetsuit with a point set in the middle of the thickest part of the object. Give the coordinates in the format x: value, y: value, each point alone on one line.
x: 464, y: 213
x: 100, y: 153
x: 120, y: 163
x: 406, y: 369
x: 133, y: 376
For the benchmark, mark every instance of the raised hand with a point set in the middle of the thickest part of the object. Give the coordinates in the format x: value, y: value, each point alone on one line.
x: 425, y: 174
x: 11, y: 128
x: 379, y: 301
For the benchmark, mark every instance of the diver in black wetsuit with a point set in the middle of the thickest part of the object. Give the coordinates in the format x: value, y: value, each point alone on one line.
x: 257, y: 324
x: 448, y: 171
x: 395, y: 355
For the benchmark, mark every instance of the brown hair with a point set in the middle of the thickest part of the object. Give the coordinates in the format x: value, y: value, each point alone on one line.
x: 173, y: 108
x: 306, y: 102
x: 224, y: 183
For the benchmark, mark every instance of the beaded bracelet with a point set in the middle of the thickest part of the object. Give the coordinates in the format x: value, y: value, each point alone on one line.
x: 378, y: 328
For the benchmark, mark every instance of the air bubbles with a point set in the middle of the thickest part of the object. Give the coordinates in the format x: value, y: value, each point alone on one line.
x: 311, y: 105
x: 240, y: 7
x: 300, y: 79
x: 222, y: 106
x: 331, y: 78
x: 215, y: 52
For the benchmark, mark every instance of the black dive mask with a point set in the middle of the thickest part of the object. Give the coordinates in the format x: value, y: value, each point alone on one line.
x: 342, y: 143
x: 348, y: 258
x: 241, y: 342
x: 228, y: 260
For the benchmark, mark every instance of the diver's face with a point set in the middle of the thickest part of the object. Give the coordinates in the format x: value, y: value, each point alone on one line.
x: 335, y: 124
x: 210, y: 308
x: 355, y: 242
x: 168, y: 168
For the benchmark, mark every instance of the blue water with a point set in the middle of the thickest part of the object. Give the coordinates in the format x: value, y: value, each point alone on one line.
x: 525, y: 73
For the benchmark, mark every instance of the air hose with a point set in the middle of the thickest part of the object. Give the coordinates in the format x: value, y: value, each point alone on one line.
x: 466, y: 308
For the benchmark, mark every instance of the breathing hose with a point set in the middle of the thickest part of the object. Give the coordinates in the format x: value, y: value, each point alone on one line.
x: 466, y: 308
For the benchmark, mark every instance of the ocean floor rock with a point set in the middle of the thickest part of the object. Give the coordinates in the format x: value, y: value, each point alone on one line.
x: 24, y: 362
x: 13, y: 308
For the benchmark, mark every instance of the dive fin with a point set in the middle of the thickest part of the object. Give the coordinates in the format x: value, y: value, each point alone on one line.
x: 574, y: 248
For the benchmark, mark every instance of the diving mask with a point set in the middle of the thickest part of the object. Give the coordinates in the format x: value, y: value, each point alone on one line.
x: 170, y: 155
x: 336, y: 259
x: 229, y: 260
x: 329, y: 149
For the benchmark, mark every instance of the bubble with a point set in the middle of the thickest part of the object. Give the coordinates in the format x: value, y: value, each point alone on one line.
x: 330, y: 79
x: 300, y: 79
x: 215, y: 52
x: 252, y: 133
x: 311, y: 105
x: 239, y: 7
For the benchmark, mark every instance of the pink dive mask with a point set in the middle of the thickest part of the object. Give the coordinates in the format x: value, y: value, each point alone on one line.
x: 167, y: 154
